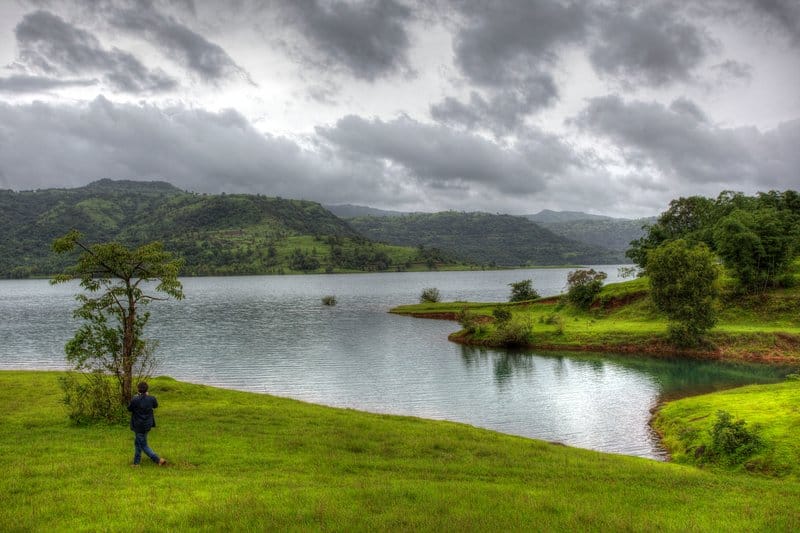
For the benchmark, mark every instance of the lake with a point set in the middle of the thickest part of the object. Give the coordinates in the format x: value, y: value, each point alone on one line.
x: 271, y: 334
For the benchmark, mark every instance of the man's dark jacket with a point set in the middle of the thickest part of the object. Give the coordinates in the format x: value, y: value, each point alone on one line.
x: 141, y: 408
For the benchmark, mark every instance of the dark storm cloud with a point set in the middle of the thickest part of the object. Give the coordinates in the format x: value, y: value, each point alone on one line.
x: 783, y: 13
x: 369, y: 38
x: 504, y: 112
x: 506, y: 42
x: 681, y: 143
x: 49, y: 44
x: 176, y: 40
x: 25, y: 84
x: 441, y: 157
x: 650, y: 46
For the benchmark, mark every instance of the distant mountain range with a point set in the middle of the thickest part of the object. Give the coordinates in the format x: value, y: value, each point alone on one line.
x: 486, y: 239
x: 598, y: 231
x: 255, y: 234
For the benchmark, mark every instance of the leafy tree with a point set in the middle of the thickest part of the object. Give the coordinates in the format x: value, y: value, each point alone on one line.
x: 757, y: 246
x: 684, y: 286
x: 522, y: 291
x: 119, y: 282
x: 583, y: 286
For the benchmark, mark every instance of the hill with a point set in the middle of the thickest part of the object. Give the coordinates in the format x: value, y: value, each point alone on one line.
x: 215, y: 234
x: 547, y: 216
x: 612, y: 233
x: 353, y: 211
x: 253, y: 462
x: 483, y: 238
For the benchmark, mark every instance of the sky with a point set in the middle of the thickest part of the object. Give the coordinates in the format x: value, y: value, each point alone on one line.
x: 612, y: 107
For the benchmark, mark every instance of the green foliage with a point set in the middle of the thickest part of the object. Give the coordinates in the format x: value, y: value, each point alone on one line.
x: 684, y: 286
x: 429, y: 295
x: 501, y: 315
x: 731, y: 442
x: 583, y: 286
x: 757, y: 237
x: 522, y: 291
x: 301, y: 260
x: 757, y: 246
x: 468, y: 320
x: 91, y: 397
x: 119, y: 283
x: 329, y: 300
x: 516, y: 333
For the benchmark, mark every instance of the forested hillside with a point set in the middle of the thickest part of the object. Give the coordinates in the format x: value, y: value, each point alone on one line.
x: 612, y: 233
x: 482, y: 238
x: 215, y: 234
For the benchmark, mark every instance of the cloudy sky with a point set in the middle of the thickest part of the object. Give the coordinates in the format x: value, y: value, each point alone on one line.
x: 612, y: 107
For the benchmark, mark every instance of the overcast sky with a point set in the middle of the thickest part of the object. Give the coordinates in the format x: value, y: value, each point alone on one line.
x: 612, y: 107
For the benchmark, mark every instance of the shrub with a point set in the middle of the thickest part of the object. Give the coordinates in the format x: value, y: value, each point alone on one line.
x: 329, y: 300
x: 731, y: 442
x: 514, y: 333
x: 583, y: 286
x: 522, y: 291
x: 429, y: 295
x: 501, y: 315
x: 91, y: 397
x: 468, y: 320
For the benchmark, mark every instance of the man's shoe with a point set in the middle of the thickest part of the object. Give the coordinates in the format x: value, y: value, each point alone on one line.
x: 162, y: 462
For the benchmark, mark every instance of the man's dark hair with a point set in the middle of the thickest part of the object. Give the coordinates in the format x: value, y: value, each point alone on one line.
x: 142, y: 387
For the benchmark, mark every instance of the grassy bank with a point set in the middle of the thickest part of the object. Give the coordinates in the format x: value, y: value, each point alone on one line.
x: 623, y: 319
x: 242, y: 461
x: 769, y: 411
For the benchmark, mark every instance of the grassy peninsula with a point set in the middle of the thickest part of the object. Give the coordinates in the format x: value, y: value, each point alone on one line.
x: 243, y: 461
x: 763, y: 327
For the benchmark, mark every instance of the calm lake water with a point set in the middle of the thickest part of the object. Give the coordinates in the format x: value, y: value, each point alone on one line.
x: 271, y: 334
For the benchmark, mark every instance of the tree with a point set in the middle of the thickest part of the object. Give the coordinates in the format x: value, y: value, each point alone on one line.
x: 684, y: 286
x: 757, y: 246
x: 119, y: 282
x: 522, y: 291
x: 583, y: 285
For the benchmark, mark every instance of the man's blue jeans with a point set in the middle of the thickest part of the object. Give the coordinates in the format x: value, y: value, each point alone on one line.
x: 140, y: 445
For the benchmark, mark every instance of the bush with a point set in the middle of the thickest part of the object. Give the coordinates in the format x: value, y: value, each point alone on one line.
x: 514, y: 333
x: 468, y: 320
x: 731, y: 442
x: 522, y: 291
x: 91, y: 397
x: 429, y: 295
x: 501, y: 315
x: 329, y: 300
x: 583, y: 286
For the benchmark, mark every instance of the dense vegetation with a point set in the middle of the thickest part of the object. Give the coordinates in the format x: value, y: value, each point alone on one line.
x: 482, y: 238
x: 623, y: 318
x: 755, y: 237
x: 244, y: 462
x: 214, y: 234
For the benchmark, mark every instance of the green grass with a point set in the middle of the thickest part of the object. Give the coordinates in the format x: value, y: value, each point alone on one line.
x: 243, y: 461
x: 771, y: 411
x: 623, y: 318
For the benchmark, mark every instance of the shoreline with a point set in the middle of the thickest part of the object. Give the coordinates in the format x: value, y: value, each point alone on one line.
x: 649, y: 347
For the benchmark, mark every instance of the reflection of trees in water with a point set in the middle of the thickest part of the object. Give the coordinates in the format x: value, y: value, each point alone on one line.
x: 675, y: 377
x: 505, y: 364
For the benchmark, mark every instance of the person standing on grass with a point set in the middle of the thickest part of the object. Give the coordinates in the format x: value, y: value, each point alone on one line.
x: 142, y: 421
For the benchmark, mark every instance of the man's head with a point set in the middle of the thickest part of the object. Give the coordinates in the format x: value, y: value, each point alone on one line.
x: 142, y: 387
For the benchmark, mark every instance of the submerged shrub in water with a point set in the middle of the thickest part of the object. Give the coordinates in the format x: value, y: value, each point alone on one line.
x: 329, y: 300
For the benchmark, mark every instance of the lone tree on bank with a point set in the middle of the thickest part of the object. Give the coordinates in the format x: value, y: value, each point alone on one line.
x: 119, y: 282
x: 684, y: 286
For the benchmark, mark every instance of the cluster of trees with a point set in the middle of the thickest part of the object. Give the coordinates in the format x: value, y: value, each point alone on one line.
x: 754, y: 238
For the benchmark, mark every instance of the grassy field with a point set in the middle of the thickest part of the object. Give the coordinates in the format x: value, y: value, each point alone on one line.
x: 243, y: 461
x: 764, y: 328
x: 772, y: 412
